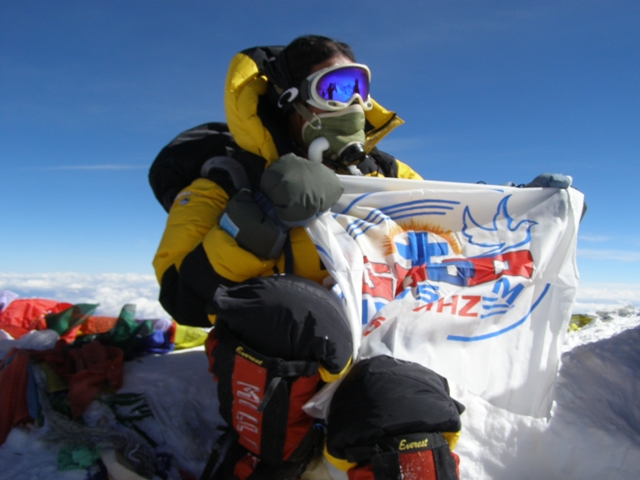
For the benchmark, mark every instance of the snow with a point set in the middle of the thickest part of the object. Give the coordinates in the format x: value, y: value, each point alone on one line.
x: 593, y: 432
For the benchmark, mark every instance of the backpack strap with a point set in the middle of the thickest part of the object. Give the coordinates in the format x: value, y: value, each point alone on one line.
x: 225, y: 164
x: 288, y: 255
x: 290, y: 369
x: 218, y: 455
x: 254, y: 392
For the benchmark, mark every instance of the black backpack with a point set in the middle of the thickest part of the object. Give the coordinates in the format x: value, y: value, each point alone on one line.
x: 179, y: 163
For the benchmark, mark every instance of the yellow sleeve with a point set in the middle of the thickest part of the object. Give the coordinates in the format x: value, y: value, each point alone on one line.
x: 193, y: 219
x: 194, y: 212
x: 231, y: 261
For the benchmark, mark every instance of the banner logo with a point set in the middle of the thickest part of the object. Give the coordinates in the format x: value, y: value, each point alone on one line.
x: 421, y: 258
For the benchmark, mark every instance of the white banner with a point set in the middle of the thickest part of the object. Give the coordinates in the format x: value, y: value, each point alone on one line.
x: 475, y: 282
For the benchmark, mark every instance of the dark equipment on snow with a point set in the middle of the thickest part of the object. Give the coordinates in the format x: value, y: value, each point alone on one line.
x: 274, y: 339
x: 387, y: 419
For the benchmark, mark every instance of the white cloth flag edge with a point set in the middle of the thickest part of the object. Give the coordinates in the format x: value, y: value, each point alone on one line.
x: 345, y: 278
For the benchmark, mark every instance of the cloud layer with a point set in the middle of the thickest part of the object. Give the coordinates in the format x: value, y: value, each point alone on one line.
x: 112, y: 291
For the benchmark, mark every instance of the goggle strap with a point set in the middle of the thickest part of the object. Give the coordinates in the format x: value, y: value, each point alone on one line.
x: 308, y: 115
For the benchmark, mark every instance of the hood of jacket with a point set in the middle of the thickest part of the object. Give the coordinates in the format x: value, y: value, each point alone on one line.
x: 253, y: 121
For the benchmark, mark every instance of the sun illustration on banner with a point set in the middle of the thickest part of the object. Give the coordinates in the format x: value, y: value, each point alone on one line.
x: 401, y: 227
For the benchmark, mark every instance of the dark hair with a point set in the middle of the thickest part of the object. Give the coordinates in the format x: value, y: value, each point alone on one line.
x: 309, y: 50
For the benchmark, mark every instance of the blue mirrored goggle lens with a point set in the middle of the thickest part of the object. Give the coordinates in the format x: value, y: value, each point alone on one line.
x: 343, y: 84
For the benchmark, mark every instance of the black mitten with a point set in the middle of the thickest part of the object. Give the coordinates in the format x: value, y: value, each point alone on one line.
x: 252, y: 227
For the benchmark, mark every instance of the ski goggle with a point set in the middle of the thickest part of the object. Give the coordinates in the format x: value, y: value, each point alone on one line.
x: 337, y: 87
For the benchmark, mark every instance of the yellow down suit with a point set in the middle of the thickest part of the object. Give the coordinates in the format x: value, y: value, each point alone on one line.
x: 195, y: 255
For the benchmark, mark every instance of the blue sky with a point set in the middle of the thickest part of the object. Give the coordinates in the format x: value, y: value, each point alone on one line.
x: 490, y: 90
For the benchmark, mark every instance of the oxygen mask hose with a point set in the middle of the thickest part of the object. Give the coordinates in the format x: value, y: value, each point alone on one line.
x: 316, y: 149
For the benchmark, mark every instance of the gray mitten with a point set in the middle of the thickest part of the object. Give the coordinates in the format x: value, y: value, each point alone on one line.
x: 299, y: 189
x: 556, y: 180
x: 251, y: 227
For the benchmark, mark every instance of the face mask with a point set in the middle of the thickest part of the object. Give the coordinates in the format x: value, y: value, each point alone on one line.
x: 344, y: 131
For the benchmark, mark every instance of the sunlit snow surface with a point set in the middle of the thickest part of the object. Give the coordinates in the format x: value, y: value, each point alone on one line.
x: 594, y: 430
